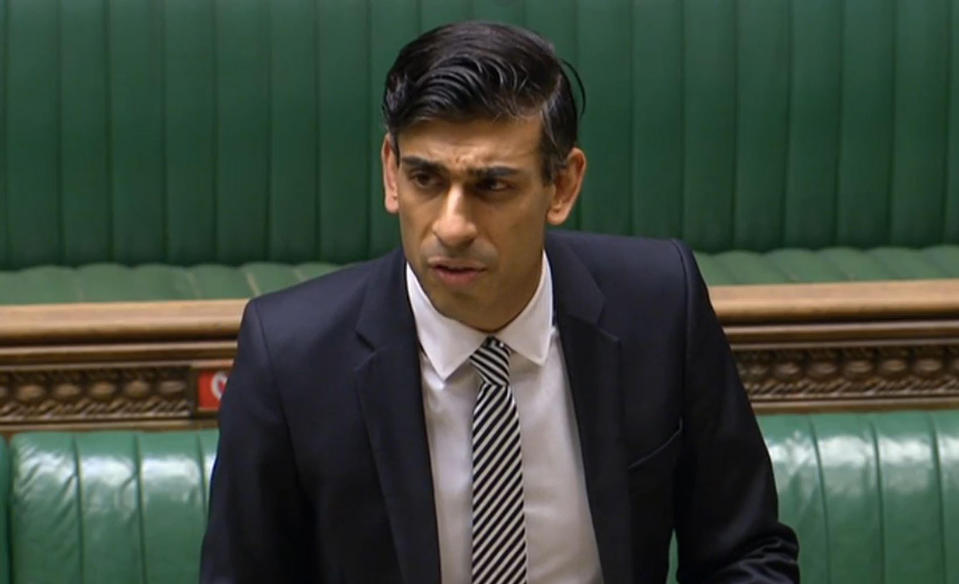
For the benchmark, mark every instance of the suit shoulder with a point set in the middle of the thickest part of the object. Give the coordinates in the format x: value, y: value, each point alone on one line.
x: 625, y: 261
x: 334, y: 287
x: 324, y: 306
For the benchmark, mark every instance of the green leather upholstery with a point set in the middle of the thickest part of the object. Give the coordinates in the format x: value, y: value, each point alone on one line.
x: 873, y: 497
x: 109, y: 507
x: 4, y: 513
x: 834, y: 264
x: 186, y: 132
x: 112, y: 282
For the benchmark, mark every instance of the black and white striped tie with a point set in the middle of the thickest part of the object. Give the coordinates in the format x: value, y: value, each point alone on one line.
x: 499, y: 524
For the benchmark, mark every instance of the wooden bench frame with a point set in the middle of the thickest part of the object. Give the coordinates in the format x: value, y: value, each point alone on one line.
x: 808, y: 347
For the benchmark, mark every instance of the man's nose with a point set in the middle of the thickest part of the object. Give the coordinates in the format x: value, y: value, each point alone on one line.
x: 454, y: 226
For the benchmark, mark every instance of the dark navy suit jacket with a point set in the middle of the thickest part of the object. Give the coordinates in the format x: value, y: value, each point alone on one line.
x: 323, y: 470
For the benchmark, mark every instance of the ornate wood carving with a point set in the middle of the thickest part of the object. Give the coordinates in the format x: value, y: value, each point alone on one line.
x: 776, y: 376
x: 85, y: 394
x: 798, y: 348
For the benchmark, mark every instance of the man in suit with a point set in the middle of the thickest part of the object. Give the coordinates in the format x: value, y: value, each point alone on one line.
x: 492, y: 402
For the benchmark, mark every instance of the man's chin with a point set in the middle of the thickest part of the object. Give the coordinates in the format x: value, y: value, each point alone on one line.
x: 457, y: 305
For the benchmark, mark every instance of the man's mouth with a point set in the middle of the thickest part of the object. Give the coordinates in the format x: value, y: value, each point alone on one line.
x: 456, y: 274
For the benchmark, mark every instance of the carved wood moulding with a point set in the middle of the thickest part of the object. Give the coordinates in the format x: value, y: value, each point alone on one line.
x: 787, y: 378
x: 85, y: 394
x: 798, y: 348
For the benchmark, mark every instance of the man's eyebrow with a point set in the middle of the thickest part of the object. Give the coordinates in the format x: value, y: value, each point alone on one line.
x: 421, y: 163
x: 480, y: 172
x: 494, y: 171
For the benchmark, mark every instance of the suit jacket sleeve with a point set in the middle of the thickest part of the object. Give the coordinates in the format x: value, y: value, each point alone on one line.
x: 258, y: 524
x: 726, y: 513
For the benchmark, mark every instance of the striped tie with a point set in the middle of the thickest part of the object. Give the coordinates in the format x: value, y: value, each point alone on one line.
x: 499, y: 524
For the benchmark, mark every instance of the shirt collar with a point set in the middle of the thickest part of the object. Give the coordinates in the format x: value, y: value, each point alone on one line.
x: 448, y: 343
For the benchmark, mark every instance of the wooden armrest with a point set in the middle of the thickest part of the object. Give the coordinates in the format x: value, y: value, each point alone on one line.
x: 847, y: 301
x: 735, y: 305
x: 120, y: 321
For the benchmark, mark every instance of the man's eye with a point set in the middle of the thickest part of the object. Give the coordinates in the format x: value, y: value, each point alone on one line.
x: 492, y: 185
x: 424, y: 180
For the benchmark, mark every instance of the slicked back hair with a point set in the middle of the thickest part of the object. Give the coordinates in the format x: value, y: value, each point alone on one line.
x: 483, y: 70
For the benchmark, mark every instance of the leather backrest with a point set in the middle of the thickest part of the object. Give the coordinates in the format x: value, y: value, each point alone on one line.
x: 109, y: 507
x: 873, y: 497
x: 189, y: 131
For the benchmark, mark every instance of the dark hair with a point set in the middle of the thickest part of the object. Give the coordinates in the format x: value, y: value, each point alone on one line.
x: 474, y: 70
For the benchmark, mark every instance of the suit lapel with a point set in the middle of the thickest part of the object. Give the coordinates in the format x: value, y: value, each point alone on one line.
x: 592, y: 357
x: 388, y: 384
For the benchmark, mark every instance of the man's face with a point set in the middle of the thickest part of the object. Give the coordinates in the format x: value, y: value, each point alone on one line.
x: 473, y: 207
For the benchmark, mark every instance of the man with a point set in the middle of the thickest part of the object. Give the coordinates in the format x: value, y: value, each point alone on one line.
x: 492, y: 403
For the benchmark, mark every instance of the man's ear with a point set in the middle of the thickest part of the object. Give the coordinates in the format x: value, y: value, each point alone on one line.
x: 567, y: 184
x: 389, y: 161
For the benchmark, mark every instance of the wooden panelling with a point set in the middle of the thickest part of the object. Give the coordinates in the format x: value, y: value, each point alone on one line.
x: 808, y: 347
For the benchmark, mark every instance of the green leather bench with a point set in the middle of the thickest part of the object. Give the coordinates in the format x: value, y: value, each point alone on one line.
x: 174, y: 149
x: 874, y: 498
x: 111, y: 282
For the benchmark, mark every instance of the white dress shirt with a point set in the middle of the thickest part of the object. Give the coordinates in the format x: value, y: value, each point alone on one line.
x: 559, y: 529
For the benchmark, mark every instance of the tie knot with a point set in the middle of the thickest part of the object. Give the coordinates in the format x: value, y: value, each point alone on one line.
x: 491, y: 360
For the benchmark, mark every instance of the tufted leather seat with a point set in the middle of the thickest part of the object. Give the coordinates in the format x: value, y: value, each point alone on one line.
x: 108, y: 507
x: 835, y: 264
x: 873, y: 497
x: 113, y: 282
